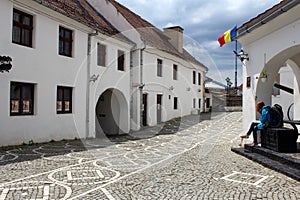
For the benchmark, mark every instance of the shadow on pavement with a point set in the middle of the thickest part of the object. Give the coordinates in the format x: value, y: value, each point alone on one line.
x: 29, y: 152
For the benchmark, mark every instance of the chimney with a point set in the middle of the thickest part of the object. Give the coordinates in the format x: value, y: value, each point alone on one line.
x: 175, y: 34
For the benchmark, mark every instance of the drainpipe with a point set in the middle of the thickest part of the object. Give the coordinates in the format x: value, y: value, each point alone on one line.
x: 141, y: 82
x: 88, y: 75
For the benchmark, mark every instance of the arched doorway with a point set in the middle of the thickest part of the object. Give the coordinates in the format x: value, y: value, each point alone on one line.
x: 111, y: 113
x: 264, y: 90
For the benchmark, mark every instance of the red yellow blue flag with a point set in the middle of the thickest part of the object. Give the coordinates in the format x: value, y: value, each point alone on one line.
x: 227, y: 36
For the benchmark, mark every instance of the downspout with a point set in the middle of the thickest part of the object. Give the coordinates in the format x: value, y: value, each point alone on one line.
x: 88, y: 75
x: 141, y: 82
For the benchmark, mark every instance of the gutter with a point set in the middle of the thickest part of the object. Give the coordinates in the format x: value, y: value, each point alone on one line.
x: 244, y: 30
x: 88, y: 75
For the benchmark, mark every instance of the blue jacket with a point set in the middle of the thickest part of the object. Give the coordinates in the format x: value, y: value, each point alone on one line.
x: 265, y: 117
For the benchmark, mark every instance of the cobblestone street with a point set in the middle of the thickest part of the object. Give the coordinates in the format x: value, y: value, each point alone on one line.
x: 186, y: 159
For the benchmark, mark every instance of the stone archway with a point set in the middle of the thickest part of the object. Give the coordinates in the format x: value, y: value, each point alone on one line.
x: 290, y: 56
x: 111, y: 113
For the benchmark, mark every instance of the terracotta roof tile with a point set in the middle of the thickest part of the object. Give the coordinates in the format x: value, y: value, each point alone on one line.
x: 152, y: 35
x: 81, y: 11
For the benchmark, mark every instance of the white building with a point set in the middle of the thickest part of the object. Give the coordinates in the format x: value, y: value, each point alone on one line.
x: 75, y: 75
x: 167, y: 81
x: 271, y: 40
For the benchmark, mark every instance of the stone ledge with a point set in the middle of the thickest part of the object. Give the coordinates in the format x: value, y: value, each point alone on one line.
x: 267, y: 161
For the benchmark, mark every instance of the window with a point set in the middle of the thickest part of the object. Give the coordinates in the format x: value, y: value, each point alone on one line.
x: 194, y: 103
x: 101, y: 51
x: 64, y: 100
x: 175, y: 103
x: 199, y: 78
x: 65, y: 42
x: 175, y: 69
x: 194, y: 77
x: 199, y: 102
x: 121, y: 60
x: 159, y: 67
x: 21, y: 98
x: 22, y: 28
x: 207, y: 102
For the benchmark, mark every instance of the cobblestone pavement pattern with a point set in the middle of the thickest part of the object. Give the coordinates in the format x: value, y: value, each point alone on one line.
x: 184, y: 159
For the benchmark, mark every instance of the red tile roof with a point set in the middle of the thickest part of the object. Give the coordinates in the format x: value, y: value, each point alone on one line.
x: 82, y: 12
x: 152, y: 35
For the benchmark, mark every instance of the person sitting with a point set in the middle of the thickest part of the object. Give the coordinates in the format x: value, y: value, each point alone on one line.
x: 265, y: 120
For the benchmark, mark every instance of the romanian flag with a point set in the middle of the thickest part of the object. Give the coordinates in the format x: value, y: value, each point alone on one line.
x: 227, y: 36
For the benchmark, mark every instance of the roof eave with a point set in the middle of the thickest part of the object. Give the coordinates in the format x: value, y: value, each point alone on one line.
x: 250, y: 26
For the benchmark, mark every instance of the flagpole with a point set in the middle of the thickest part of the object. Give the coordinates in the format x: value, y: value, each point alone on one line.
x: 235, y: 70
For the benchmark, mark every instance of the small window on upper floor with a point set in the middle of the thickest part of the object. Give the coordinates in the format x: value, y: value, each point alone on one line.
x: 199, y: 78
x: 101, y: 55
x: 65, y: 41
x: 22, y: 28
x: 194, y: 77
x: 175, y: 72
x: 121, y: 60
x: 159, y: 67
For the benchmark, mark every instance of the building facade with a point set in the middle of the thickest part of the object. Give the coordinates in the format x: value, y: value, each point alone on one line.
x: 271, y: 42
x: 77, y: 74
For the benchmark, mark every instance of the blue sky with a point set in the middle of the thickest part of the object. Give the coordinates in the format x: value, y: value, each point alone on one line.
x: 203, y: 22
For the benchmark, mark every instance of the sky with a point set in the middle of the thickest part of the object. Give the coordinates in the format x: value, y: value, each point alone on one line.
x: 204, y: 21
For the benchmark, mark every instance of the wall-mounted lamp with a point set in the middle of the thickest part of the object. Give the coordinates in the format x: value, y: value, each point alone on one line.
x: 142, y: 85
x: 171, y: 88
x: 5, y: 63
x: 188, y: 89
x: 242, y: 55
x: 94, y: 78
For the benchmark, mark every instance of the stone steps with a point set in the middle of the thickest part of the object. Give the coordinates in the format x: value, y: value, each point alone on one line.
x: 287, y: 164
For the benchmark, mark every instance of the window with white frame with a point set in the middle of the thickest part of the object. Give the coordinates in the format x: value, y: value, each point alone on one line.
x: 121, y: 60
x: 64, y: 100
x: 101, y: 55
x: 199, y: 79
x: 175, y: 72
x: 65, y: 42
x: 21, y: 98
x: 159, y: 67
x: 194, y: 77
x: 22, y: 28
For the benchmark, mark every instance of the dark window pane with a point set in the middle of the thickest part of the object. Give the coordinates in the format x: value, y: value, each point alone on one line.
x: 26, y: 37
x: 16, y: 34
x: 66, y: 48
x: 16, y: 17
x: 67, y: 94
x: 121, y: 60
x: 15, y: 92
x: 59, y: 94
x: 68, y: 35
x: 101, y: 55
x: 27, y: 21
x: 26, y: 92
